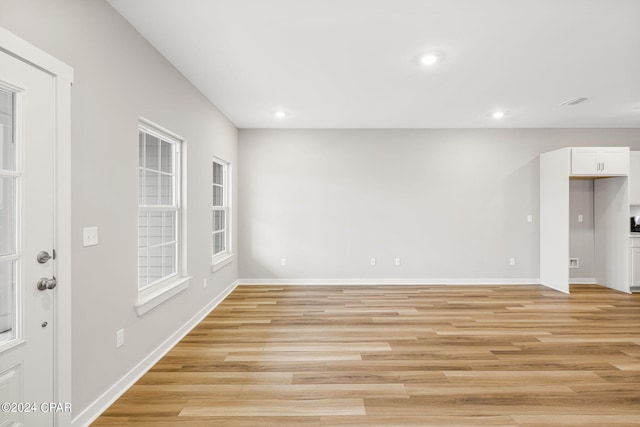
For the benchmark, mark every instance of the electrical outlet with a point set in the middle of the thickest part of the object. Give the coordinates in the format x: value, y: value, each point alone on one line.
x: 512, y: 261
x: 373, y: 261
x: 283, y: 261
x: 574, y: 263
x: 580, y: 218
x: 397, y: 261
x: 120, y: 338
x: 204, y: 282
x: 89, y: 236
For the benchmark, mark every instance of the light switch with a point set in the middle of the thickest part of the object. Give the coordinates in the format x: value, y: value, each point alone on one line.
x: 90, y: 236
x: 580, y: 218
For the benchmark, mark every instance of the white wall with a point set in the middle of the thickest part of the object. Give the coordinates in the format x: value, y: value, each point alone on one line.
x: 452, y: 204
x: 119, y: 77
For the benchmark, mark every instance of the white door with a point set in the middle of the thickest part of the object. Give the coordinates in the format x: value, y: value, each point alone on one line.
x: 27, y: 107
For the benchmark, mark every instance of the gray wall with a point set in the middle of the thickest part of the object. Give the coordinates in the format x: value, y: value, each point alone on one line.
x: 452, y: 204
x: 581, y: 234
x: 119, y: 77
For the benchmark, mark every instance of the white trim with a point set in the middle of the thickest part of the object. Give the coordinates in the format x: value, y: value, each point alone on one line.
x: 582, y: 281
x: 11, y: 343
x: 220, y: 262
x: 158, y: 294
x: 149, y: 126
x: 182, y: 243
x: 63, y: 367
x: 63, y: 79
x: 448, y: 281
x: 99, y: 405
x: 8, y: 258
x: 9, y: 174
x: 25, y: 51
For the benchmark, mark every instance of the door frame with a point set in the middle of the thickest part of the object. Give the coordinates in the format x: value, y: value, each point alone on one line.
x: 62, y: 75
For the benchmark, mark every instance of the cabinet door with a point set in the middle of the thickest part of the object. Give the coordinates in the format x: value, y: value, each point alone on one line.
x: 584, y: 161
x: 591, y: 161
x: 614, y: 162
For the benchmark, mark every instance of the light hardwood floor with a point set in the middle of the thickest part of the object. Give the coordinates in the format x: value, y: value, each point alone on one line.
x: 399, y: 355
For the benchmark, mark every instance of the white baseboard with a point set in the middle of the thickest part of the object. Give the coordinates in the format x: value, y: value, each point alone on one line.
x: 494, y: 281
x: 582, y: 281
x: 101, y: 404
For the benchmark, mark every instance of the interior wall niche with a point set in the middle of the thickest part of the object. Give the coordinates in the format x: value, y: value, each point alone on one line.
x: 608, y: 169
x: 581, y: 231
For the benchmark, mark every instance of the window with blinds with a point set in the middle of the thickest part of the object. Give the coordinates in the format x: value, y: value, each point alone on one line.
x: 159, y: 212
x: 220, y: 230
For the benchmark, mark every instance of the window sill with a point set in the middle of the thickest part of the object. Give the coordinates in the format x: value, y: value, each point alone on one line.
x: 164, y: 293
x: 219, y: 262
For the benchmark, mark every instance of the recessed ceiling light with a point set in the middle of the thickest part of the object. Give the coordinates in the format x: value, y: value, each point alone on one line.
x: 497, y: 114
x: 430, y: 58
x: 280, y: 114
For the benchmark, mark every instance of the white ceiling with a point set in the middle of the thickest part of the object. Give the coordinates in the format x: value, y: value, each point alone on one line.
x: 351, y: 63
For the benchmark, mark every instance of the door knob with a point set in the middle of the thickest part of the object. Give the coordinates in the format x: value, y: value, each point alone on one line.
x: 43, y: 257
x: 44, y: 283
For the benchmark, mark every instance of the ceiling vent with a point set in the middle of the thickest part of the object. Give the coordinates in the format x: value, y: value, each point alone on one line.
x: 574, y: 101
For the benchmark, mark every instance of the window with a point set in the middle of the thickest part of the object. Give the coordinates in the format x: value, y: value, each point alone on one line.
x: 10, y: 194
x: 221, y: 214
x: 159, y: 214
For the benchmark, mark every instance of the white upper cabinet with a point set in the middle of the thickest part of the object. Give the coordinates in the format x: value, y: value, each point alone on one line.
x: 600, y: 161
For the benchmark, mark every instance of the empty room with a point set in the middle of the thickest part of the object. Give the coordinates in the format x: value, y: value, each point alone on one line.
x: 319, y: 212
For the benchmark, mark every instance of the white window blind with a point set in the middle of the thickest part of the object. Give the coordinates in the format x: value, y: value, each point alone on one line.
x: 159, y: 207
x: 220, y: 210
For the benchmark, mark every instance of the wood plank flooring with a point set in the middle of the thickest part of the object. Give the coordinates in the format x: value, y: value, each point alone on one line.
x: 399, y: 355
